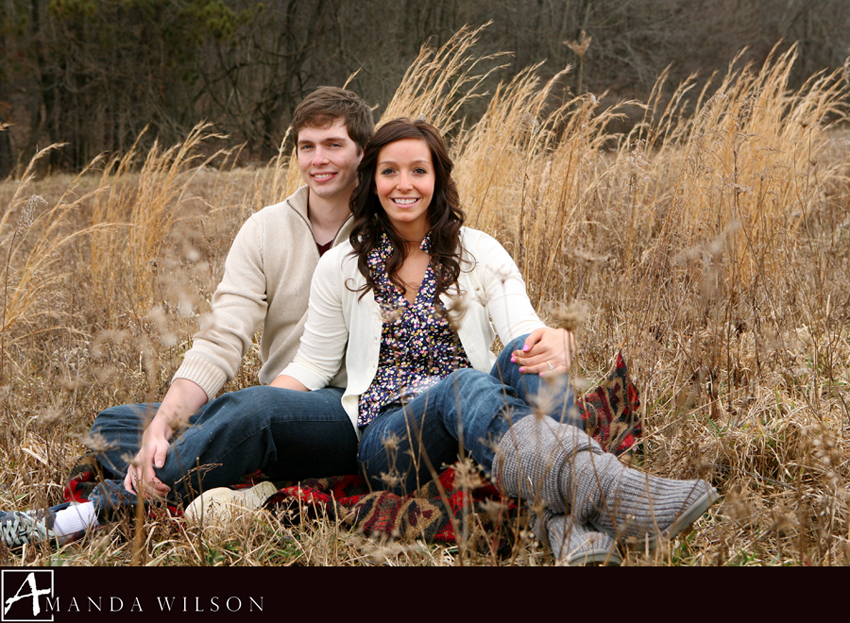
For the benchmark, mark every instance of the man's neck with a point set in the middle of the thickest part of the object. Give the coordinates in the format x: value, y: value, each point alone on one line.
x: 326, y: 217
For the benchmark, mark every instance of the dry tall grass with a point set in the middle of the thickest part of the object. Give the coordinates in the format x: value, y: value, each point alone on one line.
x: 711, y: 244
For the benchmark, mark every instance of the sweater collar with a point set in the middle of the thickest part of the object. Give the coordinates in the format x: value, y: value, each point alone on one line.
x: 298, y: 202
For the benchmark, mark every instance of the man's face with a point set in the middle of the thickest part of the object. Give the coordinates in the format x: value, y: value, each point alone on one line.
x: 328, y: 159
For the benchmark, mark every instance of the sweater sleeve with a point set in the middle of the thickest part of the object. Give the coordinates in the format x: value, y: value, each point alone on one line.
x: 326, y: 332
x: 238, y: 308
x: 505, y: 294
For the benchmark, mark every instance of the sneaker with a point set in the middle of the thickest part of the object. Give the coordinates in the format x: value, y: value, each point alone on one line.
x: 224, y: 504
x: 17, y: 528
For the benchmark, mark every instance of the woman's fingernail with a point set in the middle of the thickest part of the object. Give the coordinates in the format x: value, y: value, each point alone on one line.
x: 513, y: 359
x: 521, y: 369
x: 526, y: 348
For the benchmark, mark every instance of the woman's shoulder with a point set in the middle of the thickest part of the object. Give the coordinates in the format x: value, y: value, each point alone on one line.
x: 477, y: 243
x: 338, y: 259
x: 471, y: 238
x: 340, y: 250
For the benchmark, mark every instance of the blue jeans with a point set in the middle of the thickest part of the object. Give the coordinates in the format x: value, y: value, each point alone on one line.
x: 289, y: 435
x: 466, y: 412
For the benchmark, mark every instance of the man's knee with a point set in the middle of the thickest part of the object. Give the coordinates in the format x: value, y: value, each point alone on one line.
x: 115, y: 435
x: 249, y: 407
x: 123, y: 417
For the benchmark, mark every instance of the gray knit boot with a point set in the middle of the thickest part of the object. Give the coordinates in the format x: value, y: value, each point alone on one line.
x: 573, y: 544
x: 562, y: 465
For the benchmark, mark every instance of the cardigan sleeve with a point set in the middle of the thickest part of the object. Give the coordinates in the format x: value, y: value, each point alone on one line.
x: 326, y: 332
x: 505, y: 294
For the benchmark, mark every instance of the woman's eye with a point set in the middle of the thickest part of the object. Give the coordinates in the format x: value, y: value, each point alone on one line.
x: 387, y: 172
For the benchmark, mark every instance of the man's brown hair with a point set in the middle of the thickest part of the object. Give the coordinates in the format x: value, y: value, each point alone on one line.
x: 327, y: 104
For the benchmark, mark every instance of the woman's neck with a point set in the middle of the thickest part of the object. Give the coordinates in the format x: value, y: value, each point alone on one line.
x: 412, y: 270
x: 412, y: 236
x: 412, y: 247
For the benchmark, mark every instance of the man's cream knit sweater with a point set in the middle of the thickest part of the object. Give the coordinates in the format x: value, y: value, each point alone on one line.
x: 266, y: 285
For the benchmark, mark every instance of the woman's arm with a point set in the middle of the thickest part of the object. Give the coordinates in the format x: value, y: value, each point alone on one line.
x: 287, y: 382
x: 325, y: 333
x: 546, y: 350
x: 504, y: 296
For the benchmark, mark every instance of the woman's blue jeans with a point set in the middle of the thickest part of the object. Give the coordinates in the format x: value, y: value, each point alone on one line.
x: 289, y: 435
x: 465, y: 413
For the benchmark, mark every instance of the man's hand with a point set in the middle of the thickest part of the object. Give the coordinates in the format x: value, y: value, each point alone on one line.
x: 546, y: 352
x: 181, y: 401
x: 141, y: 478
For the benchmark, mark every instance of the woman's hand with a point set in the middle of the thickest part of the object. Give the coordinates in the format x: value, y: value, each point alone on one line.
x: 546, y: 352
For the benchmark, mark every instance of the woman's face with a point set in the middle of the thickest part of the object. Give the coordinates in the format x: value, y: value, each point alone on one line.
x: 404, y: 183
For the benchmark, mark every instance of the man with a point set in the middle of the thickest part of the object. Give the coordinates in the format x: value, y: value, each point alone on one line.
x: 266, y: 284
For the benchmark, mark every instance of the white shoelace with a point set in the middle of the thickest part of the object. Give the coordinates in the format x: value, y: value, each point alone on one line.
x: 24, y: 528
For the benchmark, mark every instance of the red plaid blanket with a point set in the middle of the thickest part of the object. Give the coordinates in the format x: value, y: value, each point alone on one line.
x: 443, y: 508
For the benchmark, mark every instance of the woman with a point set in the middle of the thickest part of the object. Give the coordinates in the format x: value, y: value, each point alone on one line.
x: 408, y: 302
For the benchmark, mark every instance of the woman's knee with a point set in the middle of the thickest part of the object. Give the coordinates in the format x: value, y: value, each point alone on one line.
x: 468, y: 382
x: 465, y: 376
x: 504, y: 367
x: 515, y: 344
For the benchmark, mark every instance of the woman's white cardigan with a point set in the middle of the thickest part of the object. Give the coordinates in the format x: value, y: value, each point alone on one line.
x: 340, y: 322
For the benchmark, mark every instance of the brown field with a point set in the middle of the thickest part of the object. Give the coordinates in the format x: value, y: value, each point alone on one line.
x: 711, y: 244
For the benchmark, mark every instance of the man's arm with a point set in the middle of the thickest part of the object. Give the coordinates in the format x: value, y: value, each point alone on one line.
x: 181, y: 401
x: 238, y: 308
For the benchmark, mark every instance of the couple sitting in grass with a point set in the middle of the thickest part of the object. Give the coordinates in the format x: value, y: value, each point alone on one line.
x: 404, y: 299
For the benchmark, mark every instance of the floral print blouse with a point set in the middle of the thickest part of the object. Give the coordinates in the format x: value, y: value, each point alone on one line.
x: 418, y: 346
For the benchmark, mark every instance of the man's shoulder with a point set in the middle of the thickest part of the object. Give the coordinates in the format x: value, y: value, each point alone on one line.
x: 293, y: 207
x: 278, y: 233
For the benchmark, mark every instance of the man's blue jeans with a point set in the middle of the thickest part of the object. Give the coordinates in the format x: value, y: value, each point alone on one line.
x: 467, y: 412
x: 287, y: 434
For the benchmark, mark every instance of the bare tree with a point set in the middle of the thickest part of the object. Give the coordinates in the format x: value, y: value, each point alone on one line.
x: 94, y: 74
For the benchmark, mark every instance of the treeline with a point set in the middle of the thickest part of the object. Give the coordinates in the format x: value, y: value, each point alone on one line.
x: 94, y: 73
